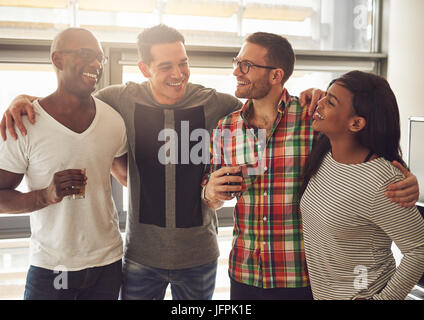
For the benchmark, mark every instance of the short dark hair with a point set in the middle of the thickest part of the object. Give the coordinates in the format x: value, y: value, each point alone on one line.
x: 156, y: 35
x: 280, y: 53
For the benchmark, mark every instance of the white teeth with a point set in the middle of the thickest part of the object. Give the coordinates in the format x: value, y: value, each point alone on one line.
x: 242, y: 82
x: 319, y: 116
x: 91, y: 75
x: 176, y: 84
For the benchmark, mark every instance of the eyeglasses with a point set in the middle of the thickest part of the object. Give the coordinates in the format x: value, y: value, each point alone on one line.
x: 245, y: 65
x: 87, y: 55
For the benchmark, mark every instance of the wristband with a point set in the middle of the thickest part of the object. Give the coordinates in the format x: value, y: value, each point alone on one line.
x: 202, y: 195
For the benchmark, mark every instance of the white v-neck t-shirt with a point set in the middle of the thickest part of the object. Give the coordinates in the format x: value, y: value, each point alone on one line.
x: 72, y: 234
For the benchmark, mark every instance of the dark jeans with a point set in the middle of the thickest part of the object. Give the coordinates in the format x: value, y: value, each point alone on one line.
x: 98, y: 283
x: 240, y: 291
x: 147, y: 283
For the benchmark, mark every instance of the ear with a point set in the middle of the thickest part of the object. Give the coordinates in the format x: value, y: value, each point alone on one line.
x: 144, y: 68
x: 276, y: 75
x: 57, y: 60
x: 357, y: 123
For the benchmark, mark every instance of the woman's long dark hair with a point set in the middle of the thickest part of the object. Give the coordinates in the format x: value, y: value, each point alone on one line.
x: 374, y: 100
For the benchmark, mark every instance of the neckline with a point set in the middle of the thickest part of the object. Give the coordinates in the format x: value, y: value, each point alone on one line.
x: 368, y: 157
x: 330, y: 156
x: 65, y: 128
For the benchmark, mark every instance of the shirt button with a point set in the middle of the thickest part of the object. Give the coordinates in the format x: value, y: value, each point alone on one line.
x: 265, y: 168
x: 264, y: 219
x: 265, y: 193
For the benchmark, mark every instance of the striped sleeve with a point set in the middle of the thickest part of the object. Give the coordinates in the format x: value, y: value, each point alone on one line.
x: 405, y: 227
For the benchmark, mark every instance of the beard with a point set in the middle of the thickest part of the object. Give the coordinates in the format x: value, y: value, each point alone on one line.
x: 257, y: 90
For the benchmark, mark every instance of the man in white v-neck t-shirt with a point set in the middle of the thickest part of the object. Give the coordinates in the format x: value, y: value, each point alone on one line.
x: 76, y: 247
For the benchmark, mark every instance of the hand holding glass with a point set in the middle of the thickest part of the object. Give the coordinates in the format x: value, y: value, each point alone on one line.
x: 81, y: 194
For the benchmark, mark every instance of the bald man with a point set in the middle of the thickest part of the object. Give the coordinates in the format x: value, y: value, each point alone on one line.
x: 76, y: 247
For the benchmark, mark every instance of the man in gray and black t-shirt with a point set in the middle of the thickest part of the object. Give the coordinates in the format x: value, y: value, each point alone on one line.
x: 171, y: 236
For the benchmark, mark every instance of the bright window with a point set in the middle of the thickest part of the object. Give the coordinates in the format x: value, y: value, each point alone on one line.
x: 341, y: 25
x: 33, y: 79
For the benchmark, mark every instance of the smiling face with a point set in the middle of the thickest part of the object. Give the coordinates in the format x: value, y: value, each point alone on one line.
x: 76, y: 57
x: 255, y: 84
x: 335, y: 115
x: 168, y: 73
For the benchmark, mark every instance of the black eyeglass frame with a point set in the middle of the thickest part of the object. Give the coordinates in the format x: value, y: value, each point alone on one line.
x: 236, y: 63
x: 87, y: 54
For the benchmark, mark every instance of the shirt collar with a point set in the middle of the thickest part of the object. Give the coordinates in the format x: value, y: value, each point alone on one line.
x: 284, y: 100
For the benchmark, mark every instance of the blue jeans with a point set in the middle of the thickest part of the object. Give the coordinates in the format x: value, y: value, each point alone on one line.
x: 99, y: 283
x: 146, y: 283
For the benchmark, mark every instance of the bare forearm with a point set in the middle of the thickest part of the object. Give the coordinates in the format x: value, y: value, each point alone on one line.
x: 214, y: 205
x: 13, y: 202
x: 119, y: 169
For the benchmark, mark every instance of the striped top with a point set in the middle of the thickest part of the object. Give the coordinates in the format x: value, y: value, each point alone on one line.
x: 268, y: 249
x: 349, y: 226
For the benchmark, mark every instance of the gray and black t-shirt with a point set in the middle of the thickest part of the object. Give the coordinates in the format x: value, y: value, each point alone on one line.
x: 167, y: 226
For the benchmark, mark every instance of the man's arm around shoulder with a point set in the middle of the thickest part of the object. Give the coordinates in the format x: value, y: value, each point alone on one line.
x: 21, y: 105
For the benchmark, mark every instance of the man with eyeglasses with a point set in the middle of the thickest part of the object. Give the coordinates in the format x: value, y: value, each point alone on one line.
x: 170, y: 237
x: 87, y: 54
x: 76, y: 248
x: 267, y: 260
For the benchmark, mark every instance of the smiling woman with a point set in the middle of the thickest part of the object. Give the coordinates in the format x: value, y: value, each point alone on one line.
x: 348, y: 222
x: 335, y: 110
x: 214, y: 31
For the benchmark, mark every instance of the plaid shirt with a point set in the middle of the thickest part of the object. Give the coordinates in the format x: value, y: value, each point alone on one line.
x: 268, y: 250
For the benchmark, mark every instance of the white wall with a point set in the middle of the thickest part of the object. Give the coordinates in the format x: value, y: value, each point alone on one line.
x: 405, y: 71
